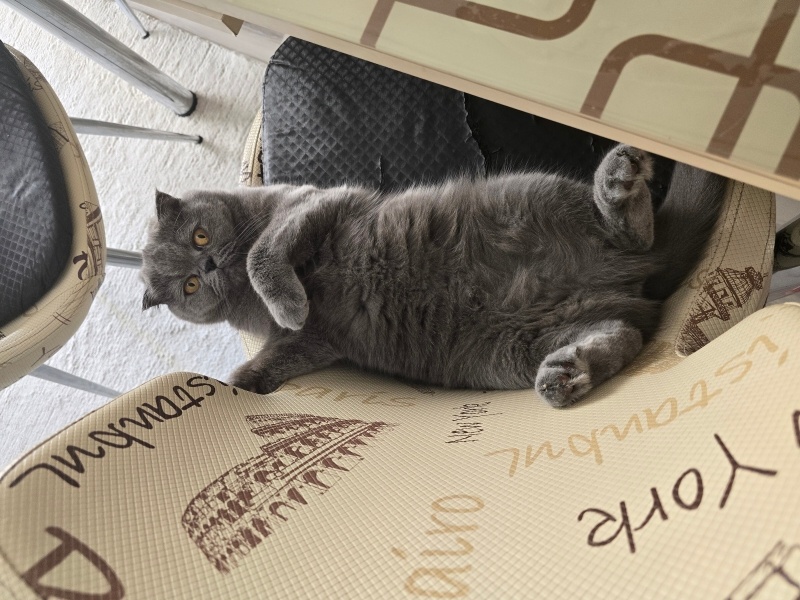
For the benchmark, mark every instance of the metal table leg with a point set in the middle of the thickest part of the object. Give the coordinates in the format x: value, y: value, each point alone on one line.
x: 123, y: 258
x: 123, y: 6
x: 66, y: 23
x: 49, y: 373
x: 91, y: 127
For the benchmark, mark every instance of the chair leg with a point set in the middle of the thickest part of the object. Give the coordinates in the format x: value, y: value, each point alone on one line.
x: 68, y: 24
x: 117, y: 258
x: 123, y: 258
x: 49, y: 373
x: 91, y: 127
x: 123, y: 6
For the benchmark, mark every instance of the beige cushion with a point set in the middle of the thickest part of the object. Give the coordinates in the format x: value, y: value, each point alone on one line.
x: 673, y: 483
x: 733, y: 280
x: 251, y: 173
x: 31, y: 339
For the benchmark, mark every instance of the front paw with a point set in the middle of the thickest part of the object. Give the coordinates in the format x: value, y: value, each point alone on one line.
x: 252, y: 379
x: 625, y: 171
x: 286, y: 300
x: 563, y: 378
x: 289, y: 313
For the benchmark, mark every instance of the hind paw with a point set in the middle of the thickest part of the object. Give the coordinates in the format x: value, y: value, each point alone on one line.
x: 563, y: 378
x: 626, y: 170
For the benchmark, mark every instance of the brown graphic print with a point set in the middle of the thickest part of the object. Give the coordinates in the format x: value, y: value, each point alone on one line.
x: 752, y: 72
x: 723, y: 291
x: 90, y: 261
x: 302, y: 455
x: 776, y: 576
x: 482, y: 14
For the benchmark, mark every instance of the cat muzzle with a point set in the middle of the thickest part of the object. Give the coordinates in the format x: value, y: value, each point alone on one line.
x: 209, y: 265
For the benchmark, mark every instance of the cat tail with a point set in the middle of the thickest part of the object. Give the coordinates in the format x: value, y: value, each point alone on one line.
x: 683, y: 226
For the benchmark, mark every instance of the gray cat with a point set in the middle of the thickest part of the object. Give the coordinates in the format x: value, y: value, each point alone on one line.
x: 505, y: 282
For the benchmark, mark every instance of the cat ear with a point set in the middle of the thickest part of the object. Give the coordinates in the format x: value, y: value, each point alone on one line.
x: 149, y: 300
x: 167, y: 207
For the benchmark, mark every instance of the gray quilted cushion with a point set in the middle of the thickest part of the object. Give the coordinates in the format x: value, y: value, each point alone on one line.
x: 35, y: 224
x: 330, y: 118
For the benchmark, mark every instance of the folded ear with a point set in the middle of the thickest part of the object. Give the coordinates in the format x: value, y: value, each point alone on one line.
x: 167, y: 207
x: 149, y: 300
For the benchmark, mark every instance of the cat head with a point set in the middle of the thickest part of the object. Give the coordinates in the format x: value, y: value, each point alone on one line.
x: 194, y: 261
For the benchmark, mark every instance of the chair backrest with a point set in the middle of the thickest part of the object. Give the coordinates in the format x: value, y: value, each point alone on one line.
x: 35, y: 226
x: 43, y: 327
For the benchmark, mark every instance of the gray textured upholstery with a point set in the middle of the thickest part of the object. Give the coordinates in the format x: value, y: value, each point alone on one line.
x: 330, y: 118
x: 35, y: 223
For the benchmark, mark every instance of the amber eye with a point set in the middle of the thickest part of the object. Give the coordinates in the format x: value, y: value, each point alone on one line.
x: 191, y: 285
x: 200, y: 237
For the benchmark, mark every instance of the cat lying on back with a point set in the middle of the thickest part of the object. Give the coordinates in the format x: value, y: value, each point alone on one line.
x: 506, y: 282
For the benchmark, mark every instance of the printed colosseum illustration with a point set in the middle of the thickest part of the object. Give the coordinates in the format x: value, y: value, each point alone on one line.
x: 304, y: 455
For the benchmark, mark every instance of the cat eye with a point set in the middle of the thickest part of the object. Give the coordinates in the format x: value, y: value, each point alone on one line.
x: 191, y: 285
x: 200, y: 237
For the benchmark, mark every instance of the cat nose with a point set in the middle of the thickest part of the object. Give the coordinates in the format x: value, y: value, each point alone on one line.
x: 209, y: 265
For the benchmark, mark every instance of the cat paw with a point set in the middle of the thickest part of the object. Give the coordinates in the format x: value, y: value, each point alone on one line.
x: 285, y: 298
x: 251, y: 379
x: 289, y: 313
x: 625, y: 171
x: 563, y: 378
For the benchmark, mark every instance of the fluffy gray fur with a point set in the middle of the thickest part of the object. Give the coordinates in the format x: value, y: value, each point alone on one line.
x: 506, y: 282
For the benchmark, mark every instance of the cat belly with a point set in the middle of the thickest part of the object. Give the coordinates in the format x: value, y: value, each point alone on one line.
x: 465, y: 338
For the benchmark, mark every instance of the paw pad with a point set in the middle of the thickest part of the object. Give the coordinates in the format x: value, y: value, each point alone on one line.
x: 563, y: 382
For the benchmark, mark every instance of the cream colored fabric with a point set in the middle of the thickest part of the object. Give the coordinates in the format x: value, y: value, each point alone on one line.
x: 252, y: 175
x: 676, y: 78
x: 252, y: 170
x: 733, y: 280
x: 32, y: 338
x: 252, y: 343
x: 682, y: 483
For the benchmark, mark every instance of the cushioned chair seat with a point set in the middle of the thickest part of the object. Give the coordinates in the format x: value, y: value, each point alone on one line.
x: 330, y: 118
x: 35, y: 224
x: 43, y: 305
x: 349, y: 485
x: 675, y: 479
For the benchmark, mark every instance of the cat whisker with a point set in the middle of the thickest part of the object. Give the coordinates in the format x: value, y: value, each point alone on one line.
x: 219, y: 292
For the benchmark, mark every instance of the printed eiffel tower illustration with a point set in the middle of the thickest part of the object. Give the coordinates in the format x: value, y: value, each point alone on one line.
x: 303, y: 455
x: 724, y: 290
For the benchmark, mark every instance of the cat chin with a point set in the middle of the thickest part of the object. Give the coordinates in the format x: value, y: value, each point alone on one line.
x: 197, y: 319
